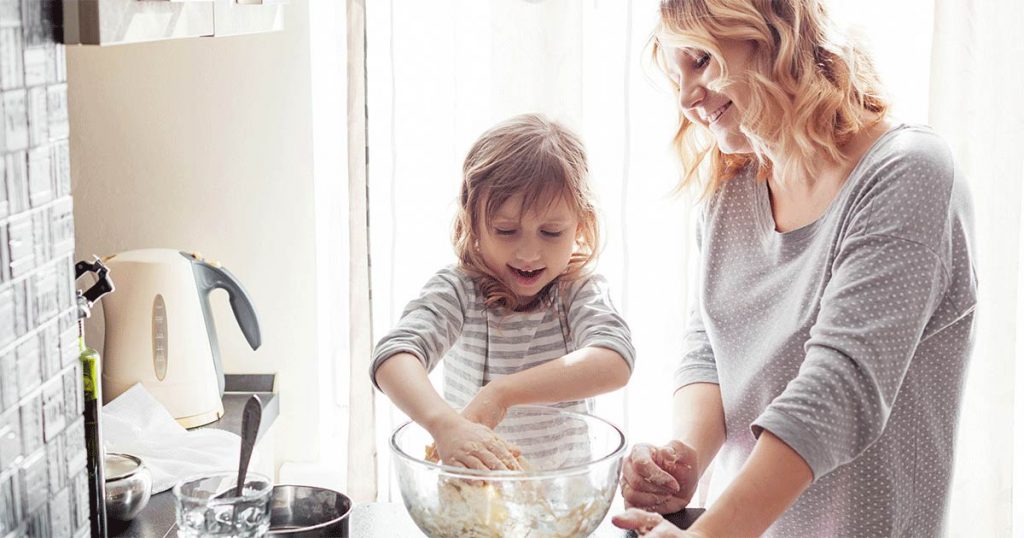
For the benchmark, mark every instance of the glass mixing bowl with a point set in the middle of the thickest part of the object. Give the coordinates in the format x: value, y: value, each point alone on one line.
x: 565, y: 490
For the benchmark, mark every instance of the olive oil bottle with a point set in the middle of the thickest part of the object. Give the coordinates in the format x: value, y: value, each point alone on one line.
x: 90, y: 360
x: 93, y: 437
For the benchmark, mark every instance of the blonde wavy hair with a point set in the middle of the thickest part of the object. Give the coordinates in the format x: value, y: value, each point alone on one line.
x: 811, y: 90
x: 541, y: 160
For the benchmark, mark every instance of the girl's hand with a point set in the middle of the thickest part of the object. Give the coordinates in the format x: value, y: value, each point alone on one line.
x: 659, y: 479
x: 486, y: 407
x: 464, y: 443
x: 650, y: 524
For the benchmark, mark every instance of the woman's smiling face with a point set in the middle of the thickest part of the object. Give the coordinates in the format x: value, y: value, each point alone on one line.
x: 527, y: 248
x: 694, y: 72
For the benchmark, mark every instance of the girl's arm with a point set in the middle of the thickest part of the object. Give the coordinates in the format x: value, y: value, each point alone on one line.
x: 403, y: 378
x: 581, y: 374
x: 458, y: 440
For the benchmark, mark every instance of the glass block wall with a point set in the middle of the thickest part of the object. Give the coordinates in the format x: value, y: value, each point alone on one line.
x: 43, y: 483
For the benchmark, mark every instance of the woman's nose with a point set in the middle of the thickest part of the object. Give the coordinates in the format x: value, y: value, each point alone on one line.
x: 691, y: 92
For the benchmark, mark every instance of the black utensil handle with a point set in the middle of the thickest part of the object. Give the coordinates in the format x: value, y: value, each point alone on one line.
x: 251, y: 417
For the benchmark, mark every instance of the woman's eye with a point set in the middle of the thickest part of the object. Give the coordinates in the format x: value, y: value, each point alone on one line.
x: 701, y: 60
x: 500, y: 231
x: 550, y: 234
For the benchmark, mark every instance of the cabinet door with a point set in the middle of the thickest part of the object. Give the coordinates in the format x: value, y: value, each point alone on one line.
x: 236, y: 17
x: 111, y: 22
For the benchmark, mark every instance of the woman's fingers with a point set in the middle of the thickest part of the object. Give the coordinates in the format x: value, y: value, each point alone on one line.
x: 637, y: 520
x: 643, y: 499
x: 643, y: 474
x: 680, y: 461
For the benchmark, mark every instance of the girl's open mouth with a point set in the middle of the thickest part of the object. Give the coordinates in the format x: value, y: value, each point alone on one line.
x: 526, y: 278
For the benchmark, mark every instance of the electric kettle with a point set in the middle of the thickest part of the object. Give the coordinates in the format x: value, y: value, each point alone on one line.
x: 159, y: 331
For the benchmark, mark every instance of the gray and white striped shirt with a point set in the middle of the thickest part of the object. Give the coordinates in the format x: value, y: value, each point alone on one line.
x: 449, y: 322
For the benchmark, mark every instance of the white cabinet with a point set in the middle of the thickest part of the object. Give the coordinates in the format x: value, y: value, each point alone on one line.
x: 113, y: 22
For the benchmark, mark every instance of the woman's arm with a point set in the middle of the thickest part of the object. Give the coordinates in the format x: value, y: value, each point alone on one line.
x: 581, y: 374
x: 698, y: 421
x: 663, y: 479
x: 769, y: 482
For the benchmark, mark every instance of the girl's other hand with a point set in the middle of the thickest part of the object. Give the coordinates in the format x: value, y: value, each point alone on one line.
x: 486, y: 407
x: 465, y: 443
x: 659, y: 479
x: 650, y: 524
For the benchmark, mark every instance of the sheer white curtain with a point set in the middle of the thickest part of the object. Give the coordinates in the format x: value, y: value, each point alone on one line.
x: 441, y: 72
x: 975, y: 103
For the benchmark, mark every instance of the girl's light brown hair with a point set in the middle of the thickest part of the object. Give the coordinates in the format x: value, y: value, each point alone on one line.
x: 541, y: 160
x: 810, y: 90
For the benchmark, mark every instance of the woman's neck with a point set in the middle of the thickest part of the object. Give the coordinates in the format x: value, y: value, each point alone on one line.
x: 799, y: 201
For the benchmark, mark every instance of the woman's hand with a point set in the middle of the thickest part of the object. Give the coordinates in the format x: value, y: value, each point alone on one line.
x: 487, y: 407
x: 659, y: 479
x: 465, y: 443
x: 650, y: 524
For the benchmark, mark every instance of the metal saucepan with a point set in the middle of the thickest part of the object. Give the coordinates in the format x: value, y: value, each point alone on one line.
x: 307, y: 511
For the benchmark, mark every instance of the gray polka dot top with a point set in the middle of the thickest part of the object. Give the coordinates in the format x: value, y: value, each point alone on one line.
x: 847, y: 338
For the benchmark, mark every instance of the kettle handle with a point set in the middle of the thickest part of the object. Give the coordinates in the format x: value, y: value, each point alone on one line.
x: 210, y: 277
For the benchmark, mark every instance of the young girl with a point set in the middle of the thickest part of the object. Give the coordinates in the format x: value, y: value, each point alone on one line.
x: 520, y: 319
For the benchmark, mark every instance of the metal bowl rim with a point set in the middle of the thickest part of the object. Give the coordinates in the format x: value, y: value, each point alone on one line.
x: 139, y: 467
x: 462, y: 472
x: 318, y: 526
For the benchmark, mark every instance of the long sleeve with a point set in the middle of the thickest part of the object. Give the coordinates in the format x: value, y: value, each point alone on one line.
x: 888, y: 279
x: 594, y: 321
x: 430, y: 324
x: 697, y: 363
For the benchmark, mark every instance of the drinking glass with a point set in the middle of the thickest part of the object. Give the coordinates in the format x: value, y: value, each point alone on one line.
x: 206, y: 506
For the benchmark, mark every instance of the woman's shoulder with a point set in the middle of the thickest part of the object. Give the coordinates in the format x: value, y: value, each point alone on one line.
x: 907, y: 185
x: 909, y: 152
x: 908, y: 163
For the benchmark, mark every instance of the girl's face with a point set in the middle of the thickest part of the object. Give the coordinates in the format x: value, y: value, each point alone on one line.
x: 529, y: 250
x: 694, y: 70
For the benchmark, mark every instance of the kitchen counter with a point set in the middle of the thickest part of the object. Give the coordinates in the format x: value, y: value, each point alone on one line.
x: 157, y: 519
x: 367, y: 520
x: 391, y: 520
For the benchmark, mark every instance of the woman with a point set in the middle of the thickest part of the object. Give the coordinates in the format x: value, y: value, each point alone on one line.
x: 827, y: 350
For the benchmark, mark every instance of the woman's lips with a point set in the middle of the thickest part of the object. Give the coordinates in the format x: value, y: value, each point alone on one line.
x: 718, y: 113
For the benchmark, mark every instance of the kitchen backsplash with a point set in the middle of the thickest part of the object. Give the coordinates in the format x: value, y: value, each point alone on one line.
x: 43, y: 483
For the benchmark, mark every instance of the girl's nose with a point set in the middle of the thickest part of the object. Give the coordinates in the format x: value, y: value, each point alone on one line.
x: 527, y: 252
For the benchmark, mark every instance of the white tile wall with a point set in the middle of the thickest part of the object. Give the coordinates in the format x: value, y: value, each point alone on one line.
x: 43, y: 482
